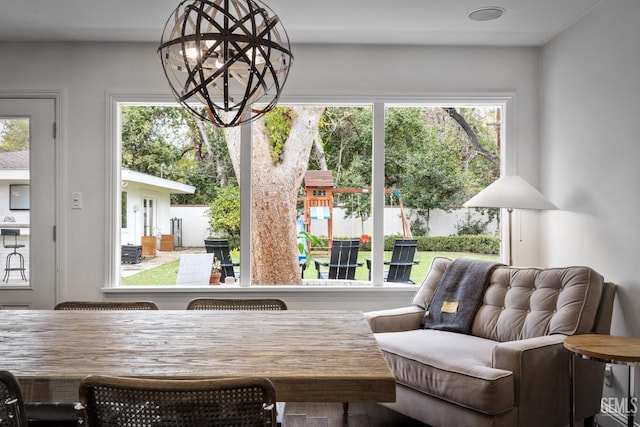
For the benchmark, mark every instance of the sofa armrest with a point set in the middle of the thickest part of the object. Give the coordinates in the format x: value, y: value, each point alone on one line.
x: 395, y: 319
x: 540, y: 369
x: 542, y: 382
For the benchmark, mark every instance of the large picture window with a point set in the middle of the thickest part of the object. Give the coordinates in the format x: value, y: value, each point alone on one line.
x: 314, y: 180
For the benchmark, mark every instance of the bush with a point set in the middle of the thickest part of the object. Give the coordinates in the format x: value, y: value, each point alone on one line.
x: 471, y: 225
x: 479, y: 244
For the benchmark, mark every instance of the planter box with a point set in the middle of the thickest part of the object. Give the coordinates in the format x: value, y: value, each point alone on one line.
x: 166, y: 243
x: 149, y: 246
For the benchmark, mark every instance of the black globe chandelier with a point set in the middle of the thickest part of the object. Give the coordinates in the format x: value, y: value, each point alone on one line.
x: 232, y: 56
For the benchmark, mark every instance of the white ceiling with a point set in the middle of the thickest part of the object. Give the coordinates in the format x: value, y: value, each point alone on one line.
x: 434, y: 22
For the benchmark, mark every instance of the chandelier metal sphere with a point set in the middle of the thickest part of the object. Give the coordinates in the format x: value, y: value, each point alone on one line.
x: 228, y: 55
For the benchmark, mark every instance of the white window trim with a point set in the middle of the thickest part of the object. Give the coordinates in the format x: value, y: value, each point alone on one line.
x: 506, y: 100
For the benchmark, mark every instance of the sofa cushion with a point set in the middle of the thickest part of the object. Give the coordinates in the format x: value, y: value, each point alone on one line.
x: 451, y: 366
x: 522, y: 303
x: 430, y: 282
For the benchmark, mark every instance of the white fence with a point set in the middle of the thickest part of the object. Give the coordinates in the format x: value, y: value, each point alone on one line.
x: 195, y: 224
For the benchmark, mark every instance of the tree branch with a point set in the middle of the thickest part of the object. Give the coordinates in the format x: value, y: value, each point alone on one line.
x: 455, y: 115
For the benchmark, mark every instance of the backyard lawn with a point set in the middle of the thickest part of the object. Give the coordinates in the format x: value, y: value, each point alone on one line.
x: 165, y: 274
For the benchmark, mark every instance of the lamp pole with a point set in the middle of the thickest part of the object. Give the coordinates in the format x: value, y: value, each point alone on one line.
x: 510, y: 211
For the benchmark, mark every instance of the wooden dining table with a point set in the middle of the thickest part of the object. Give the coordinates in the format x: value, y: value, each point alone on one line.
x: 310, y: 356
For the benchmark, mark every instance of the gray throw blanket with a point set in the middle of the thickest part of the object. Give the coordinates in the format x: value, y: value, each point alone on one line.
x: 458, y: 295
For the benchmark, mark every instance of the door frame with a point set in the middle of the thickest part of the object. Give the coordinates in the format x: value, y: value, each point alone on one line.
x: 59, y: 165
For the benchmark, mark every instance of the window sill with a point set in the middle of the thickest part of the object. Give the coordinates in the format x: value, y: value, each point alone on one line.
x: 313, y: 286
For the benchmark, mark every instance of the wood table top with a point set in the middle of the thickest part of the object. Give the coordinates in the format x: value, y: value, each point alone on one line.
x: 317, y: 356
x: 608, y: 348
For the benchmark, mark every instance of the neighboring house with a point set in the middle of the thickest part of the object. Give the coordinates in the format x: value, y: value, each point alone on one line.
x: 146, y: 200
x: 14, y: 186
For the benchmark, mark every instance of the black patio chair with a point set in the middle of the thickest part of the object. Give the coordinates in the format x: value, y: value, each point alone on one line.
x: 343, y: 261
x: 404, y: 251
x: 220, y: 250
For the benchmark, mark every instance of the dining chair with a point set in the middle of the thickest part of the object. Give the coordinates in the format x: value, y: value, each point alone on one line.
x: 236, y: 304
x: 106, y: 305
x: 116, y: 401
x: 12, y: 413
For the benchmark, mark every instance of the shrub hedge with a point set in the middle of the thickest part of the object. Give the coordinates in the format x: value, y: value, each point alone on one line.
x: 477, y: 243
x: 480, y: 244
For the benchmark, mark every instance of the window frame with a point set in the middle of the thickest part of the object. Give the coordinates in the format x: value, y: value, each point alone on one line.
x: 505, y: 100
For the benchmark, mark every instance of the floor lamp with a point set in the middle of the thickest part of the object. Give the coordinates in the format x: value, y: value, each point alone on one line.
x: 510, y: 192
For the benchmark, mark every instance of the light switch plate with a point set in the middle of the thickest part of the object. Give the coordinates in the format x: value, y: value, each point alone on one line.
x: 76, y: 200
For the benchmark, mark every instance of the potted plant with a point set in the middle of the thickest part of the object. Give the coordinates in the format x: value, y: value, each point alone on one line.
x: 216, y: 272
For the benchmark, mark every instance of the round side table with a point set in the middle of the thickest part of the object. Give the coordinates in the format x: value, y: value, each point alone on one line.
x: 604, y: 348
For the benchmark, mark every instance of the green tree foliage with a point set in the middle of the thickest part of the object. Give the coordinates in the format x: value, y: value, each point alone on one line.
x: 14, y: 135
x: 429, y: 157
x: 423, y: 160
x: 145, y: 139
x: 224, y: 212
x: 346, y: 136
x: 278, y: 123
x: 169, y: 143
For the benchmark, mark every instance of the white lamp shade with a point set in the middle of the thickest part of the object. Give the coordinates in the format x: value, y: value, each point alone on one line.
x: 510, y: 192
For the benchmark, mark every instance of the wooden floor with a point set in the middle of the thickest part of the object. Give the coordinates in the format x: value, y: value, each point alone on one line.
x: 317, y: 415
x: 332, y: 415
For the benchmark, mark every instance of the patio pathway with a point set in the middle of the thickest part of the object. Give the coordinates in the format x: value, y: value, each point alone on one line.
x: 162, y: 257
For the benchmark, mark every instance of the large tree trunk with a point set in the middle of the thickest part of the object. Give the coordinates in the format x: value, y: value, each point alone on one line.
x: 274, y: 251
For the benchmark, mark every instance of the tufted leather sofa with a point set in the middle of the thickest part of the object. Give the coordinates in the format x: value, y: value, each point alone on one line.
x: 512, y: 370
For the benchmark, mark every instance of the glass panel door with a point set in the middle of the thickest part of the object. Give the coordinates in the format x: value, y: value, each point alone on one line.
x: 27, y: 203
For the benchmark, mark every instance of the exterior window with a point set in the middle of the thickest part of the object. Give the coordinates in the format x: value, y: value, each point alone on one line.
x: 311, y: 187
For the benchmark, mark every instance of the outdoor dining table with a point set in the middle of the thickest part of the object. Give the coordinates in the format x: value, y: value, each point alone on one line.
x: 310, y: 356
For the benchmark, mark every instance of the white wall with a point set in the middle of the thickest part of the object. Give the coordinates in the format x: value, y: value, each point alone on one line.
x: 591, y: 153
x: 87, y: 72
x: 195, y: 224
x: 590, y: 149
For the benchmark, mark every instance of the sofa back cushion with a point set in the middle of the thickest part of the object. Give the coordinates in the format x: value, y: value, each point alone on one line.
x: 522, y: 303
x: 430, y: 282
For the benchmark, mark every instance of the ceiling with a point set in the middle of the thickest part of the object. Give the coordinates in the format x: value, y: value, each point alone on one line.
x: 413, y: 22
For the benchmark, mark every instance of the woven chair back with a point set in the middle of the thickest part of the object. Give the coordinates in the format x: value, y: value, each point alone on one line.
x: 106, y: 305
x: 12, y: 413
x: 137, y: 402
x: 236, y: 304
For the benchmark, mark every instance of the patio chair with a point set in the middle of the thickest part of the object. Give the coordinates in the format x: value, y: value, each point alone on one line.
x: 106, y: 305
x: 115, y: 401
x: 404, y: 251
x: 236, y: 304
x: 343, y: 261
x: 220, y: 250
x: 12, y: 413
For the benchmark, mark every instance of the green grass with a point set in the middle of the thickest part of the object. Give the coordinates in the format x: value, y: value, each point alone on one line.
x: 166, y: 274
